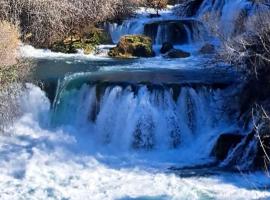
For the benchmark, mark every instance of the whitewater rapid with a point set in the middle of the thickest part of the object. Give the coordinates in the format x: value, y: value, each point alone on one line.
x: 59, y: 150
x: 39, y: 162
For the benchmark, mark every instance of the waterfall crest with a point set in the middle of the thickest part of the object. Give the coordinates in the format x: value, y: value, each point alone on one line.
x: 143, y: 116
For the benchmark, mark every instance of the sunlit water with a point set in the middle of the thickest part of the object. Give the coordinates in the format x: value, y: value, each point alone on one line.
x: 56, y: 150
x: 40, y: 162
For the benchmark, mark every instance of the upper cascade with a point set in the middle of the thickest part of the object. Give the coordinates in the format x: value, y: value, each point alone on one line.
x: 185, y: 23
x: 166, y: 28
x: 228, y: 12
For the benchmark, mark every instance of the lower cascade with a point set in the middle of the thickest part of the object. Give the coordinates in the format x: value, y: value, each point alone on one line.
x: 140, y: 116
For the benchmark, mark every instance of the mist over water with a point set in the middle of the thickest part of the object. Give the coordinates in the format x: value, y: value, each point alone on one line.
x: 40, y: 161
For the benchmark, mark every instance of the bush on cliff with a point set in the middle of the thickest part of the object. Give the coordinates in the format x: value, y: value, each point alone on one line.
x: 249, y: 50
x: 87, y: 40
x: 12, y: 71
x: 45, y: 22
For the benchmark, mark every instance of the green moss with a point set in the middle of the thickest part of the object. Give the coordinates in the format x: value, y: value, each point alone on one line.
x: 87, y: 40
x: 133, y: 46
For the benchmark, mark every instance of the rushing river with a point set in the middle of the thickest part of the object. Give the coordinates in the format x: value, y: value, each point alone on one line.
x: 119, y: 129
x: 143, y: 129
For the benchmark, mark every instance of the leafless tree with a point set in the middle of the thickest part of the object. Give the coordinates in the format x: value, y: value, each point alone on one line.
x: 9, y: 42
x: 12, y: 71
x: 252, y: 48
x: 157, y: 5
x: 46, y: 21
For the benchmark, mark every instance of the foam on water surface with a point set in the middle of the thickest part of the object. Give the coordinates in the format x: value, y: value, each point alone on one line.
x: 54, y: 152
x: 29, y: 51
x: 38, y: 162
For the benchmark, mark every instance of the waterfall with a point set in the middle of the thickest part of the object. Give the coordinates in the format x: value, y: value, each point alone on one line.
x: 142, y: 116
x: 167, y: 28
x: 174, y: 31
x: 224, y: 12
x: 126, y: 28
x: 162, y: 34
x: 189, y: 34
x: 225, y: 8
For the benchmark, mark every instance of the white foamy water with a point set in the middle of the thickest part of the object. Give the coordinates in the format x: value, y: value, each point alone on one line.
x: 136, y: 24
x: 28, y: 51
x: 62, y: 154
x: 38, y: 162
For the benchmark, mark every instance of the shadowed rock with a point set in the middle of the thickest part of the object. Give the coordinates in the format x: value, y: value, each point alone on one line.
x: 207, y: 49
x: 166, y: 46
x: 225, y: 143
x: 177, y: 53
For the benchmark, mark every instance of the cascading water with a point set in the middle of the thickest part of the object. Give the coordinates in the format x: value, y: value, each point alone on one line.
x: 167, y: 28
x: 126, y: 28
x: 91, y: 157
x: 226, y: 8
x: 118, y: 136
x: 149, y: 117
x: 224, y: 13
x: 162, y: 34
x: 189, y: 34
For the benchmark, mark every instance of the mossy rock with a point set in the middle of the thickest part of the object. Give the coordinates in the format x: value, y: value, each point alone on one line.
x: 86, y: 39
x: 72, y: 46
x: 133, y: 46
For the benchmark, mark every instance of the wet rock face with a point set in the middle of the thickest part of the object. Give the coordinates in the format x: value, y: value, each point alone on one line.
x: 225, y: 143
x: 133, y: 46
x: 175, y: 30
x: 177, y: 53
x: 166, y: 46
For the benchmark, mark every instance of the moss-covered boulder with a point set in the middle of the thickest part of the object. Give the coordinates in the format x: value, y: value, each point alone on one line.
x: 70, y: 45
x: 86, y: 39
x: 133, y: 46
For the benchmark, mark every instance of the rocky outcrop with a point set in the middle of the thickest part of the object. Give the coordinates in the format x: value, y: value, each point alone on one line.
x: 225, y: 143
x: 170, y: 52
x: 133, y: 46
x: 177, y: 53
x: 207, y: 49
